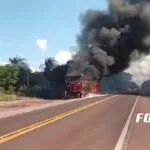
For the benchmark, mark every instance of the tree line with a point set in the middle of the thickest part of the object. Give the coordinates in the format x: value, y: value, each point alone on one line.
x: 17, y: 78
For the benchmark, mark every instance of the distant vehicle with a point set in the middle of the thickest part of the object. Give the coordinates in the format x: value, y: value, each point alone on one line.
x: 77, y: 86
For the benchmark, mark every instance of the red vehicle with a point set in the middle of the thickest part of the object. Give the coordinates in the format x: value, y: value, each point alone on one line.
x: 77, y: 86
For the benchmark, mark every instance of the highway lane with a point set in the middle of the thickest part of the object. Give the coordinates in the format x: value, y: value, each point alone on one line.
x: 138, y: 137
x: 27, y: 119
x: 97, y: 127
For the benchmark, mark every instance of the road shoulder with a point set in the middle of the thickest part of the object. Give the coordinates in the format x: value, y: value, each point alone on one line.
x: 9, y: 109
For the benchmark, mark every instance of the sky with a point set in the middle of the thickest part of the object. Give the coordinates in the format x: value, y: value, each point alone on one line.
x: 37, y: 29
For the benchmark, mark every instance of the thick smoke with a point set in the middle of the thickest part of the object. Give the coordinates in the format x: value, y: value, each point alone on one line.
x: 108, y: 39
x: 120, y: 82
x: 140, y: 70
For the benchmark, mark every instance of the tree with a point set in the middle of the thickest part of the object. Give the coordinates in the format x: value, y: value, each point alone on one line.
x: 8, y: 77
x: 59, y: 73
x: 37, y: 78
x: 145, y: 87
x: 24, y: 71
x: 50, y: 64
x: 19, y: 61
x: 118, y: 83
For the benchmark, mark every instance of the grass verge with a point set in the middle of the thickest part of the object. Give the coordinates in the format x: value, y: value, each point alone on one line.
x: 7, y: 97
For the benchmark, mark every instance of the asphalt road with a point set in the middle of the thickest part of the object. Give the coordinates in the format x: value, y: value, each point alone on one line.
x: 94, y: 124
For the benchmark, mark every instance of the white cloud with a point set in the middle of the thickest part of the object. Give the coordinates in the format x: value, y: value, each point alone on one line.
x: 42, y: 44
x: 35, y: 69
x: 3, y: 63
x: 140, y: 69
x: 63, y: 56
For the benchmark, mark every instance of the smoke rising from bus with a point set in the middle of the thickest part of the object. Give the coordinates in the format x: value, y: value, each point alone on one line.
x: 109, y: 39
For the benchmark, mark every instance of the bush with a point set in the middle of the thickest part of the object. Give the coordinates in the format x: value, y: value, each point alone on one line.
x: 22, y: 91
x: 46, y: 93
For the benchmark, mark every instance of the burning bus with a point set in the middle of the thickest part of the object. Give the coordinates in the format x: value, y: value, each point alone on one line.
x: 79, y: 86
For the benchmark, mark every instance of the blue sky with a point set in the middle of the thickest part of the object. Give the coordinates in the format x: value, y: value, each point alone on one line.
x: 23, y: 22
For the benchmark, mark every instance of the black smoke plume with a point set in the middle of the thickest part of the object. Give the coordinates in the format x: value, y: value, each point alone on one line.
x: 108, y: 39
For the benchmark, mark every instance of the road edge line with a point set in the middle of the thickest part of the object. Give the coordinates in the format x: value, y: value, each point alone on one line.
x: 120, y: 142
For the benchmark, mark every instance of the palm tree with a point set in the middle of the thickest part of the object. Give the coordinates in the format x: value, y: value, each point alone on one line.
x: 24, y: 70
x: 50, y: 64
x: 19, y: 61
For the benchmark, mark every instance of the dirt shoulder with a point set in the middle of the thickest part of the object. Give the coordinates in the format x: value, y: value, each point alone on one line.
x: 25, y: 105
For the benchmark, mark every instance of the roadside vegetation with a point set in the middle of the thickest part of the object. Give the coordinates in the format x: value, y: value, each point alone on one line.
x: 17, y: 79
x: 7, y: 97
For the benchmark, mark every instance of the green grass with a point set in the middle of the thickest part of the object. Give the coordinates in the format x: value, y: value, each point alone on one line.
x: 7, y: 97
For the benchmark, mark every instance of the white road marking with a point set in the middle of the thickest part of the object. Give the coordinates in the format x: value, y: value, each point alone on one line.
x: 119, y: 145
